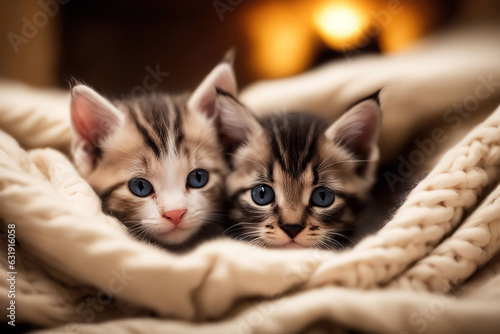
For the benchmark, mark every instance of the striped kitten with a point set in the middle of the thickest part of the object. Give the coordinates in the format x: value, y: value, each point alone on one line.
x: 155, y: 161
x: 296, y: 181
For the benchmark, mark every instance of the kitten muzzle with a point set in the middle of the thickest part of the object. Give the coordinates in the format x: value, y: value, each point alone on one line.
x: 292, y: 229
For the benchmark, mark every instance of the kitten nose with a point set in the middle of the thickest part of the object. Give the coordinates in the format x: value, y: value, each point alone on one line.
x: 292, y: 229
x: 175, y: 216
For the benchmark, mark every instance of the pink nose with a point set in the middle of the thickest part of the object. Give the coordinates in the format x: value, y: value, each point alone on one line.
x: 175, y: 216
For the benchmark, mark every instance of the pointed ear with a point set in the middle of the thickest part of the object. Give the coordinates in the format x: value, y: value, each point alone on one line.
x: 236, y: 123
x: 358, y: 129
x: 203, y: 98
x: 93, y: 118
x: 229, y: 56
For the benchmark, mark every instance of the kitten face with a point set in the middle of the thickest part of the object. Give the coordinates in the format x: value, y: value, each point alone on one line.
x: 155, y: 161
x: 164, y: 153
x: 295, y: 181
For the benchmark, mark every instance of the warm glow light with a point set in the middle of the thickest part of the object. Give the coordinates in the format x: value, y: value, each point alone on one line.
x: 281, y: 42
x: 281, y: 34
x: 411, y: 26
x: 339, y: 24
x: 284, y: 52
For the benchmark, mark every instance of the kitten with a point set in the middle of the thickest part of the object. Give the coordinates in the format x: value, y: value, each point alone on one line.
x: 295, y: 180
x: 155, y: 161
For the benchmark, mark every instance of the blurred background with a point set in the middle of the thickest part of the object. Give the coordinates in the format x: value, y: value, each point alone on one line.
x: 114, y: 44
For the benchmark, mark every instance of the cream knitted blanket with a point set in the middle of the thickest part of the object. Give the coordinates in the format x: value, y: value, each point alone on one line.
x: 433, y: 268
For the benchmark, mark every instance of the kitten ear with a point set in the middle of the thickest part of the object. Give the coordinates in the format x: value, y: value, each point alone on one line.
x: 221, y: 77
x: 229, y: 56
x: 93, y: 118
x: 358, y: 129
x: 236, y: 123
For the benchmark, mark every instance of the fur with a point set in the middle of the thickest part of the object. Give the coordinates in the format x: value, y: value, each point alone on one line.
x: 294, y: 154
x: 160, y: 138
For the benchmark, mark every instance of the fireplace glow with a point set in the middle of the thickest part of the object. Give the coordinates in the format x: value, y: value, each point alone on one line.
x: 285, y: 37
x: 281, y: 40
x: 339, y: 24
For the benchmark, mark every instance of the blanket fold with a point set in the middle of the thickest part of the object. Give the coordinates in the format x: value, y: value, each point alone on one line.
x: 434, y: 267
x: 74, y: 251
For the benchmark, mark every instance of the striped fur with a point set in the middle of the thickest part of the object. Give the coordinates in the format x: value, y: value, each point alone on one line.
x: 292, y: 153
x: 161, y: 141
x: 161, y: 138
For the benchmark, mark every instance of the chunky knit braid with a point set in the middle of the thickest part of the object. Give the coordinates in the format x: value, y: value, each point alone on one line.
x: 433, y: 209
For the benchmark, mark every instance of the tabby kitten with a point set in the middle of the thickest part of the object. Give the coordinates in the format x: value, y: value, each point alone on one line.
x: 295, y: 180
x: 155, y: 161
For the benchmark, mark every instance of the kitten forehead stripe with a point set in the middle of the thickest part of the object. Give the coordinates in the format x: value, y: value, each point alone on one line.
x: 270, y: 171
x: 155, y: 112
x: 277, y: 145
x: 308, y: 151
x: 179, y: 134
x: 293, y: 144
x: 144, y: 132
x: 159, y: 118
x: 316, y: 176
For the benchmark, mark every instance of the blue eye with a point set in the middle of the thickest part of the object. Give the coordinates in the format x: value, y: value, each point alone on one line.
x: 197, y: 178
x: 322, y: 197
x: 262, y: 194
x: 140, y: 187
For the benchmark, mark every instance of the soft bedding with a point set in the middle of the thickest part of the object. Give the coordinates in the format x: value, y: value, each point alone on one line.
x: 434, y: 267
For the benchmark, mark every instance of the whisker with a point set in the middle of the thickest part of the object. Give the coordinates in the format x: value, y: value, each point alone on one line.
x: 250, y: 233
x: 342, y: 235
x: 238, y: 226
x: 334, y: 241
